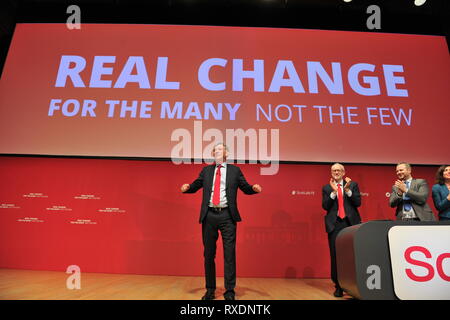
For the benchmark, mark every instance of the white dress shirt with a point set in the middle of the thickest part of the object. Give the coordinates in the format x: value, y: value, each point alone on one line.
x: 223, y: 178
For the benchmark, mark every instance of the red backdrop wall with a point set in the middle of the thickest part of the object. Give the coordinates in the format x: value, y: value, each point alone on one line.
x: 126, y: 216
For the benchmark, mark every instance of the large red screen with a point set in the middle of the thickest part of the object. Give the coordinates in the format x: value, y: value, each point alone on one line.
x: 171, y: 91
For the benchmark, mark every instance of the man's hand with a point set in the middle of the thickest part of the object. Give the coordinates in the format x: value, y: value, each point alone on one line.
x: 257, y: 188
x: 347, y: 184
x: 185, y: 187
x: 401, y: 186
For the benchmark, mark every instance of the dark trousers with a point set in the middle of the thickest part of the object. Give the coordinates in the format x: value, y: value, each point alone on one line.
x: 339, y: 225
x: 213, y: 223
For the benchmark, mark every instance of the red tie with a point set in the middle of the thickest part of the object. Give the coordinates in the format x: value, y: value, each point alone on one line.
x: 341, y: 202
x: 216, y: 196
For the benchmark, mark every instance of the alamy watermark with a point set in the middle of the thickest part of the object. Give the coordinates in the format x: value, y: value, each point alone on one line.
x: 74, y: 20
x: 74, y: 280
x: 256, y: 145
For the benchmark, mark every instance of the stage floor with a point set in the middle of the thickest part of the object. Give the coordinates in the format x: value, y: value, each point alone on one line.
x: 51, y: 285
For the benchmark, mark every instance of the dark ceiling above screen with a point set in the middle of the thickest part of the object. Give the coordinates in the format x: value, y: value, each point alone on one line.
x: 399, y: 16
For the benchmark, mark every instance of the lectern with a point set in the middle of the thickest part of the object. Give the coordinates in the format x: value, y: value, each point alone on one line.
x: 388, y: 260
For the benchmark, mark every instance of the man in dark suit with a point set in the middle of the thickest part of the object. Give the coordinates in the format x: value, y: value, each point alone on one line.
x: 219, y: 211
x: 409, y: 196
x: 341, y: 199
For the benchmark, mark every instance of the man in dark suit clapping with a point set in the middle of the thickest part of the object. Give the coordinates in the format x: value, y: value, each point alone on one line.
x: 341, y: 199
x: 219, y: 211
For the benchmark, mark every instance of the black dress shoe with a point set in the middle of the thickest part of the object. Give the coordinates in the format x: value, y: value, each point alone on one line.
x: 229, y: 296
x: 209, y: 295
x: 338, y: 293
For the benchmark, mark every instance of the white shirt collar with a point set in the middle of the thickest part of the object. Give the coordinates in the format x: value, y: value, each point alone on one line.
x: 223, y: 164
